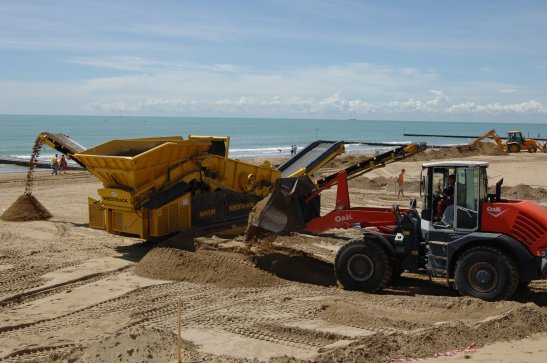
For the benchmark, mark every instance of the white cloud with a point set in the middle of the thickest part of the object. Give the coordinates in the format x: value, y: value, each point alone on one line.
x: 528, y: 107
x: 332, y: 104
x: 117, y: 62
x: 147, y: 105
x: 358, y: 90
x: 508, y: 90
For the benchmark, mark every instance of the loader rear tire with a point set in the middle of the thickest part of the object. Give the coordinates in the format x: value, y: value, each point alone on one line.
x: 532, y: 149
x: 364, y: 265
x: 486, y: 273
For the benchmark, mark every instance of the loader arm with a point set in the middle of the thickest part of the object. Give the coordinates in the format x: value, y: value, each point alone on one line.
x: 492, y: 135
x: 294, y: 204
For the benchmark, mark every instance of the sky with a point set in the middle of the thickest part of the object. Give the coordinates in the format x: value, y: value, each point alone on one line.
x: 426, y: 60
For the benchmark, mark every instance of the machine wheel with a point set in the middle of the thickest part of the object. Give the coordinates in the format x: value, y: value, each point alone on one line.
x: 532, y: 149
x: 486, y: 273
x: 363, y: 265
x: 513, y: 148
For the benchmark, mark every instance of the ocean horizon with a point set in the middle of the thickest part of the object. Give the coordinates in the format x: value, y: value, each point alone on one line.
x: 249, y: 137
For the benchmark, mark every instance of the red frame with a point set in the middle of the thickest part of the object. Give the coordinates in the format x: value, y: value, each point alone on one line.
x: 344, y: 216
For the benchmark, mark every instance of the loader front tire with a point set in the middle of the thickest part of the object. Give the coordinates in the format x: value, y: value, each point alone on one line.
x: 513, y: 148
x: 486, y: 273
x: 364, y: 265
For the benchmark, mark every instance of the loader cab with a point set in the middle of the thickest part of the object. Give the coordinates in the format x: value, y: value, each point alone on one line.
x: 452, y: 195
x: 515, y: 136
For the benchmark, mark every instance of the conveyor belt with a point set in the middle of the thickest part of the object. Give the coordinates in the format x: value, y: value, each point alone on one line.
x: 63, y: 144
x: 369, y: 164
x: 311, y: 158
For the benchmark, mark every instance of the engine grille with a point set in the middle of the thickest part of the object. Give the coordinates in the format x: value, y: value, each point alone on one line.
x: 527, y: 230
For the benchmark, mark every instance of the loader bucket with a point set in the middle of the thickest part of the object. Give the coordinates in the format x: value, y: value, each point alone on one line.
x: 286, y: 208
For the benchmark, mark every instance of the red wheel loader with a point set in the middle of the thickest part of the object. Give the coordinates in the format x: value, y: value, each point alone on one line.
x: 485, y: 245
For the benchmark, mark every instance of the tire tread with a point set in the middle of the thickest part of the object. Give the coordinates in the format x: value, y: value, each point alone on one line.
x: 511, y: 265
x: 378, y: 249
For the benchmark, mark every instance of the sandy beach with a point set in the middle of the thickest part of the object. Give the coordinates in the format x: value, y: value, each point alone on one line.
x: 70, y: 293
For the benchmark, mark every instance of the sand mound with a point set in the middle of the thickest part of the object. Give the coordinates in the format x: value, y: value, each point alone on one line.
x: 515, y: 324
x: 382, y: 183
x: 484, y: 148
x: 26, y: 208
x: 149, y: 346
x: 523, y: 191
x: 489, y: 148
x: 366, y: 183
x: 301, y: 268
x: 223, y: 269
x: 346, y: 160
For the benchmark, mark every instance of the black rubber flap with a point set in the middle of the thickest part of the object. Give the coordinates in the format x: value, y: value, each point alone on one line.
x: 165, y: 196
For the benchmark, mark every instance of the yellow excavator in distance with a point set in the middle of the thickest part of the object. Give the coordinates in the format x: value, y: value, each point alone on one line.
x: 515, y: 142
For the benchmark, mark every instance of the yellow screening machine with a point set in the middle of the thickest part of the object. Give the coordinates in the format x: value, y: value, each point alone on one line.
x: 154, y: 187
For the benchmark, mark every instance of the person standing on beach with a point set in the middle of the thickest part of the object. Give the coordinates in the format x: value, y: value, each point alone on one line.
x: 401, y: 184
x: 63, y: 165
x: 54, y: 165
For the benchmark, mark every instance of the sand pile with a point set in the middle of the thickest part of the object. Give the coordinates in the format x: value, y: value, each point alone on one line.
x: 223, y: 269
x: 489, y: 148
x: 484, y: 148
x: 26, y: 208
x: 523, y: 191
x: 231, y: 263
x: 516, y: 324
x: 297, y: 266
x: 346, y: 160
x: 149, y: 346
x: 382, y: 183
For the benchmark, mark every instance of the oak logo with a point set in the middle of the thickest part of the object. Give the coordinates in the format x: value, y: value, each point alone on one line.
x: 495, y: 211
x: 344, y: 218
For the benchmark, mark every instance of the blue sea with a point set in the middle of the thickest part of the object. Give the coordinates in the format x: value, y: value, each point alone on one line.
x: 250, y: 137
